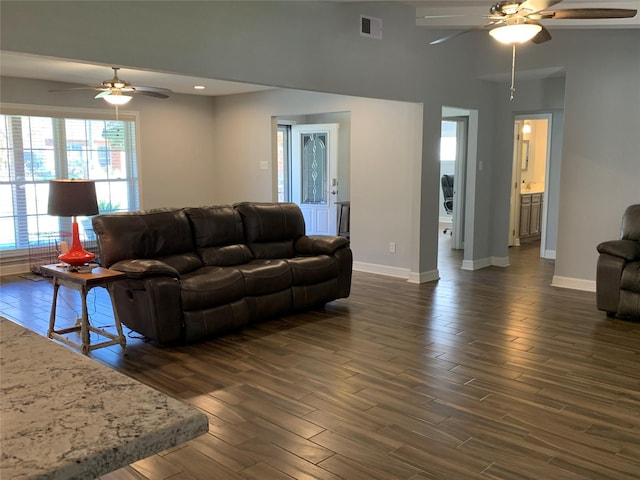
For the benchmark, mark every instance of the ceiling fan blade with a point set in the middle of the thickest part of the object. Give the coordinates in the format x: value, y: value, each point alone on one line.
x: 537, y: 5
x: 542, y: 36
x: 429, y: 17
x: 587, y: 13
x: 153, y: 91
x: 88, y: 87
x: 103, y: 94
x: 462, y: 32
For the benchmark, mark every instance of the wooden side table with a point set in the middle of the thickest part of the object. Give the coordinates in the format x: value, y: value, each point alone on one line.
x: 83, y: 282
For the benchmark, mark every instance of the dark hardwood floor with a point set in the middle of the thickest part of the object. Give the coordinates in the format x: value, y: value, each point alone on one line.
x: 491, y: 374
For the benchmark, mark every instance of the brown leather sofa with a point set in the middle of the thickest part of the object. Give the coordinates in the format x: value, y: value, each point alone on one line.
x: 618, y: 270
x: 197, y: 273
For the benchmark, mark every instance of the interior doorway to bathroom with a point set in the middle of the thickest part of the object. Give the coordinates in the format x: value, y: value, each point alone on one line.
x: 530, y: 180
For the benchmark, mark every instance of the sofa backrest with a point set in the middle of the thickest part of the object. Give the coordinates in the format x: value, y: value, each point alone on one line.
x: 218, y: 235
x: 271, y: 229
x: 631, y: 223
x: 163, y: 234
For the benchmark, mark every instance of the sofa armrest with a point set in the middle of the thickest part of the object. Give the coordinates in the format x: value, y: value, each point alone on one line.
x: 627, y: 249
x: 143, y: 268
x: 319, y: 244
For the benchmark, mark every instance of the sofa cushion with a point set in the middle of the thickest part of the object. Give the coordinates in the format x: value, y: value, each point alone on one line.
x: 184, y: 262
x: 218, y: 235
x: 228, y: 255
x: 215, y: 226
x: 211, y: 286
x: 311, y: 270
x: 271, y: 229
x: 148, y: 234
x: 265, y: 276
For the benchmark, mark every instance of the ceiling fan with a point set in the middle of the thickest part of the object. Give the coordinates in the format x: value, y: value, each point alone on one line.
x: 118, y: 92
x: 515, y: 22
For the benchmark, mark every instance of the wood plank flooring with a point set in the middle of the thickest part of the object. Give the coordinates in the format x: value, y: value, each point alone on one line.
x: 491, y: 374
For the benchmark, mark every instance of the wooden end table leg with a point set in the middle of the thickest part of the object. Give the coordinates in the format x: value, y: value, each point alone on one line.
x: 52, y: 315
x: 122, y: 338
x: 84, y: 324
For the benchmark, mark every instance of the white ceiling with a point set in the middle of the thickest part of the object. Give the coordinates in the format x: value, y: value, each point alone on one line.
x: 457, y: 14
x: 60, y: 70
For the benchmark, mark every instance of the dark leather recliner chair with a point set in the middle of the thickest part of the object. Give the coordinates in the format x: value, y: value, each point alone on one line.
x: 618, y: 271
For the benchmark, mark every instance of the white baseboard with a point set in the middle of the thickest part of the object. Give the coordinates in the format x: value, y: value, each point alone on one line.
x: 381, y: 269
x: 500, y: 261
x: 549, y: 254
x: 424, y: 277
x: 397, y: 272
x: 485, y: 262
x: 573, y: 283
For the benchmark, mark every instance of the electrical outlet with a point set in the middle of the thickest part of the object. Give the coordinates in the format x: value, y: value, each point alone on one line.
x: 392, y: 247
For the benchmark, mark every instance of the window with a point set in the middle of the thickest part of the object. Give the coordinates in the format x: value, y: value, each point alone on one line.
x: 37, y: 148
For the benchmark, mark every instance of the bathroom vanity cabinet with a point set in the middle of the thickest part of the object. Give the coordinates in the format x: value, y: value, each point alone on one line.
x: 530, y: 215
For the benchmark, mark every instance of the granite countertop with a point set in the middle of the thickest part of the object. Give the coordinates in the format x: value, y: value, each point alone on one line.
x: 66, y: 416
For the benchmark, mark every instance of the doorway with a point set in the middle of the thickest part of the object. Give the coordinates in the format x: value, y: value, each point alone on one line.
x: 453, y: 161
x: 530, y: 180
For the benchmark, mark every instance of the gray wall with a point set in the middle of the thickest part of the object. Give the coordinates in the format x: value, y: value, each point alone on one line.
x: 174, y: 139
x: 316, y: 46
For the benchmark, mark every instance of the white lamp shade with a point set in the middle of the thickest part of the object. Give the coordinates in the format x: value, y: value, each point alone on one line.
x: 519, y: 33
x: 117, y: 98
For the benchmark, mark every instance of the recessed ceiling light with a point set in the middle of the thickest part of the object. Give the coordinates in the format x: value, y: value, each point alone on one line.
x: 199, y: 87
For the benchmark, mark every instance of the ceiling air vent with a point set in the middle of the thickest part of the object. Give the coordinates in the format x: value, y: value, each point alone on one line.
x: 370, y: 27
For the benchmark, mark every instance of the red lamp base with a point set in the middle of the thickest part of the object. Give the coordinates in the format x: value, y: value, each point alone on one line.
x: 76, y: 256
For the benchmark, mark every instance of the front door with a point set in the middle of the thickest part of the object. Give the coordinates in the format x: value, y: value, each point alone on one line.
x: 314, y: 181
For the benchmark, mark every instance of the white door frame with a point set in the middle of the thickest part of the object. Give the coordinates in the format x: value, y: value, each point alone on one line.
x: 515, y: 201
x: 459, y: 181
x: 461, y: 117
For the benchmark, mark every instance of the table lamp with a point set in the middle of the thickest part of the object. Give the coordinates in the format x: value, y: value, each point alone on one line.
x: 70, y: 198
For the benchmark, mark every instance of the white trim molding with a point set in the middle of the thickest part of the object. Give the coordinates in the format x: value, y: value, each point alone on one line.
x: 381, y: 269
x: 573, y: 283
x: 424, y: 277
x: 411, y: 277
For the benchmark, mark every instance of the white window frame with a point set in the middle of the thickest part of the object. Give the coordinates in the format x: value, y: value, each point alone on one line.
x: 20, y: 255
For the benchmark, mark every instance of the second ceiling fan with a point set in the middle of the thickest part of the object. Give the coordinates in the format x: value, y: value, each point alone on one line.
x: 514, y: 22
x: 509, y: 17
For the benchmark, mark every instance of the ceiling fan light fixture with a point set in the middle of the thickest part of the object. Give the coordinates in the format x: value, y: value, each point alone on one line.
x: 519, y: 33
x: 116, y: 98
